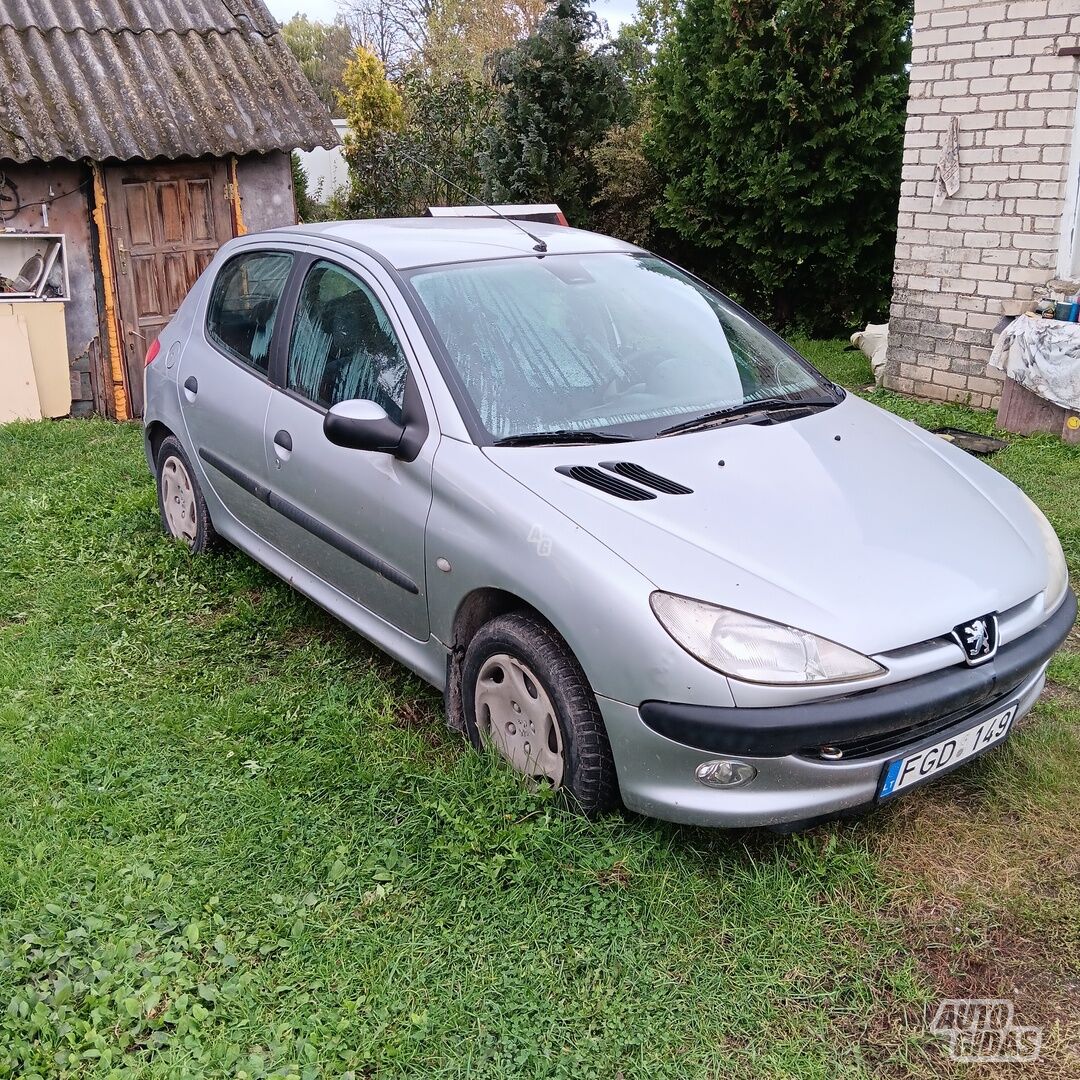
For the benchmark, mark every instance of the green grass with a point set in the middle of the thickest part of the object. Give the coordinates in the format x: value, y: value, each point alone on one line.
x: 237, y: 841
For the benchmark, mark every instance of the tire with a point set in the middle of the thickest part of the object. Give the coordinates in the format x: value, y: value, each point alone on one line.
x: 540, y: 715
x: 184, y: 515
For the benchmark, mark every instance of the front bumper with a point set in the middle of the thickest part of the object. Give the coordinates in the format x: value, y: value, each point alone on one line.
x: 658, y: 747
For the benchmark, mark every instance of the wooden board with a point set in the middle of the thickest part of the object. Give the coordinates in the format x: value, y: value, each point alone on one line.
x: 1024, y: 413
x: 45, y: 326
x: 18, y: 387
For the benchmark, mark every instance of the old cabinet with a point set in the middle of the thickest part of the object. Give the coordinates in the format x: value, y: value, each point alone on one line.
x: 36, y: 310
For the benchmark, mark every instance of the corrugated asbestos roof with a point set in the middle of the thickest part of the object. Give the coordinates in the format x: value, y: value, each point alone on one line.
x: 131, y: 79
x: 157, y: 16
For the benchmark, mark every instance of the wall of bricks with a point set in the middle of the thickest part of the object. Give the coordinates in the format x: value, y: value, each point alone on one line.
x: 994, y: 246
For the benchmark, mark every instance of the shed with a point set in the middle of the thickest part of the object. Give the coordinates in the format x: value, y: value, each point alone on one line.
x: 136, y: 136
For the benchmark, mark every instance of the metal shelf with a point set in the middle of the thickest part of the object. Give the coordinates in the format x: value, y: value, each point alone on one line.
x: 17, y: 247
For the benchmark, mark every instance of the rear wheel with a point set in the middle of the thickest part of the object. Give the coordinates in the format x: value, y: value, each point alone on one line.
x: 526, y: 697
x: 184, y: 515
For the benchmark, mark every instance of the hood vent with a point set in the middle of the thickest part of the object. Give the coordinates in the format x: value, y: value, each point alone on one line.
x: 649, y: 479
x: 604, y: 481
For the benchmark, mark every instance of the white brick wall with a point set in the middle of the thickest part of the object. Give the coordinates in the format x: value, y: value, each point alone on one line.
x: 993, y: 247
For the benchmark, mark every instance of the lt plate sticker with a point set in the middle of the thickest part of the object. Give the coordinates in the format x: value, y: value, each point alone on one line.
x: 943, y: 755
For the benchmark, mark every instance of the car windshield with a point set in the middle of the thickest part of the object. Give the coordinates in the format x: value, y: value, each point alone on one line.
x: 614, y: 343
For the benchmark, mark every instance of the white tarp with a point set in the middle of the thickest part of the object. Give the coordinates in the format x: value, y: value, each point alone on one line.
x: 873, y: 342
x: 1043, y: 356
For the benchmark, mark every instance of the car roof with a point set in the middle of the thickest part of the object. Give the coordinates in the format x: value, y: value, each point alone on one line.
x: 406, y: 243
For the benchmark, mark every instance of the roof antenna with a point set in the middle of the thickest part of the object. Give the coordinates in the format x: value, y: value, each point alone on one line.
x: 538, y: 244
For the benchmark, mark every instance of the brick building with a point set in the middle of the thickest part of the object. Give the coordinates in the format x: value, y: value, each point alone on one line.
x: 1010, y: 73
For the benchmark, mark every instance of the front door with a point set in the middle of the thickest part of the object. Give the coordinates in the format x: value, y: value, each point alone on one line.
x: 166, y: 222
x: 353, y: 517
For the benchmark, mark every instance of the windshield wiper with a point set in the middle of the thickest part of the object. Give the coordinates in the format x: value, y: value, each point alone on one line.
x: 748, y: 408
x: 562, y: 435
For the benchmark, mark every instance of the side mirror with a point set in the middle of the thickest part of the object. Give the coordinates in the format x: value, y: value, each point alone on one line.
x: 362, y: 425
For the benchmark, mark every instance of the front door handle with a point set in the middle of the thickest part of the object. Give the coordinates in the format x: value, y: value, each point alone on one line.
x: 191, y: 387
x: 282, y: 447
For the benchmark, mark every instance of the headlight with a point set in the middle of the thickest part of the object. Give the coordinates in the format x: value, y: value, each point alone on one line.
x: 756, y: 650
x: 1058, y: 580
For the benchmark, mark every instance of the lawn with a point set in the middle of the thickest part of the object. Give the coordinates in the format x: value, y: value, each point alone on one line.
x: 237, y: 841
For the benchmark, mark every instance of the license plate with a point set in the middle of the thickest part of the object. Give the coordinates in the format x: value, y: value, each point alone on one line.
x: 907, y: 771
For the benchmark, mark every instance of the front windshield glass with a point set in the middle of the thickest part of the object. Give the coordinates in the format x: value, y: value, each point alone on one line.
x: 620, y: 343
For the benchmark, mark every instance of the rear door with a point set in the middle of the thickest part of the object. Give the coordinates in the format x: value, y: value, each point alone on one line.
x: 167, y: 222
x: 353, y: 517
x: 223, y: 380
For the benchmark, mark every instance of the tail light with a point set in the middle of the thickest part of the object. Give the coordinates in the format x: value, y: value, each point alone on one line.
x: 151, y: 353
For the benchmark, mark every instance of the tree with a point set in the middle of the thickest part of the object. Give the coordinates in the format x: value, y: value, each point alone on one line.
x: 463, y: 34
x: 322, y: 51
x: 637, y: 42
x: 406, y: 137
x: 560, y: 95
x: 394, y: 30
x: 370, y: 102
x: 441, y: 38
x: 779, y: 132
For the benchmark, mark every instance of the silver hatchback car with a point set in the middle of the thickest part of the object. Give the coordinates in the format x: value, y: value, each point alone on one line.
x: 648, y: 553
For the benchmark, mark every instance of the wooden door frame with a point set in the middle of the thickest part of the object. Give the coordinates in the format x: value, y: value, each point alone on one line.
x: 117, y: 282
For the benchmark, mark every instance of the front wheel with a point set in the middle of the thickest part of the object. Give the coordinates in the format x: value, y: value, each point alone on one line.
x: 526, y: 697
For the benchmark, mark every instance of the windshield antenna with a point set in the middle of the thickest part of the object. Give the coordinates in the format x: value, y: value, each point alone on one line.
x: 538, y: 244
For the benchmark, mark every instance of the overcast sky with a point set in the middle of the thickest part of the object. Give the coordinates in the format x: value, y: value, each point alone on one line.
x: 616, y: 12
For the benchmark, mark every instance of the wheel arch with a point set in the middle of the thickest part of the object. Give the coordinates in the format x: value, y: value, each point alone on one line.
x: 476, y: 608
x: 154, y: 435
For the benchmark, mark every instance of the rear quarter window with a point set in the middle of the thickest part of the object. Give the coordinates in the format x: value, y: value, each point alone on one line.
x: 244, y: 303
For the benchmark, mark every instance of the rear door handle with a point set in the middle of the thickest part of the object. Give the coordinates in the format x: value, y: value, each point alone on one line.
x: 191, y: 387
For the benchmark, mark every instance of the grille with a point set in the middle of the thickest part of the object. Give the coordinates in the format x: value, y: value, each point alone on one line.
x: 889, y: 742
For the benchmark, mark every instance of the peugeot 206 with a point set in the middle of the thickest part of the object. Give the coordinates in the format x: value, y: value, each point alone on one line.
x: 646, y: 551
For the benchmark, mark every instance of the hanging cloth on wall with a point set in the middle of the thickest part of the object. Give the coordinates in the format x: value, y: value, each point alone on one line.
x: 947, y: 170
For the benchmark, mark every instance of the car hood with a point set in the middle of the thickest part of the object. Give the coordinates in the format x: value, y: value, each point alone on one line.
x: 850, y: 523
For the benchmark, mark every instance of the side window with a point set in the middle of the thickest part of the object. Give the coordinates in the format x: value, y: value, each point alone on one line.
x: 343, y: 345
x: 244, y: 303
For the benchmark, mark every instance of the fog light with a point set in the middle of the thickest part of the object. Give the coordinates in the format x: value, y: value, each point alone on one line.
x: 725, y: 774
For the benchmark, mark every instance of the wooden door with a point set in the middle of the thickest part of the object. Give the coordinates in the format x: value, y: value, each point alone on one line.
x: 166, y: 223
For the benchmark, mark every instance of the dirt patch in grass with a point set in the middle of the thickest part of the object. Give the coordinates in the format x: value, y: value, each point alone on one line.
x: 1006, y: 962
x: 895, y: 1044
x: 988, y: 892
x: 424, y: 716
x: 1065, y: 696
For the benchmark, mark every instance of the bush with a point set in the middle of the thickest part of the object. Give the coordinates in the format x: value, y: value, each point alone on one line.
x: 300, y: 189
x: 779, y: 131
x: 628, y: 187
